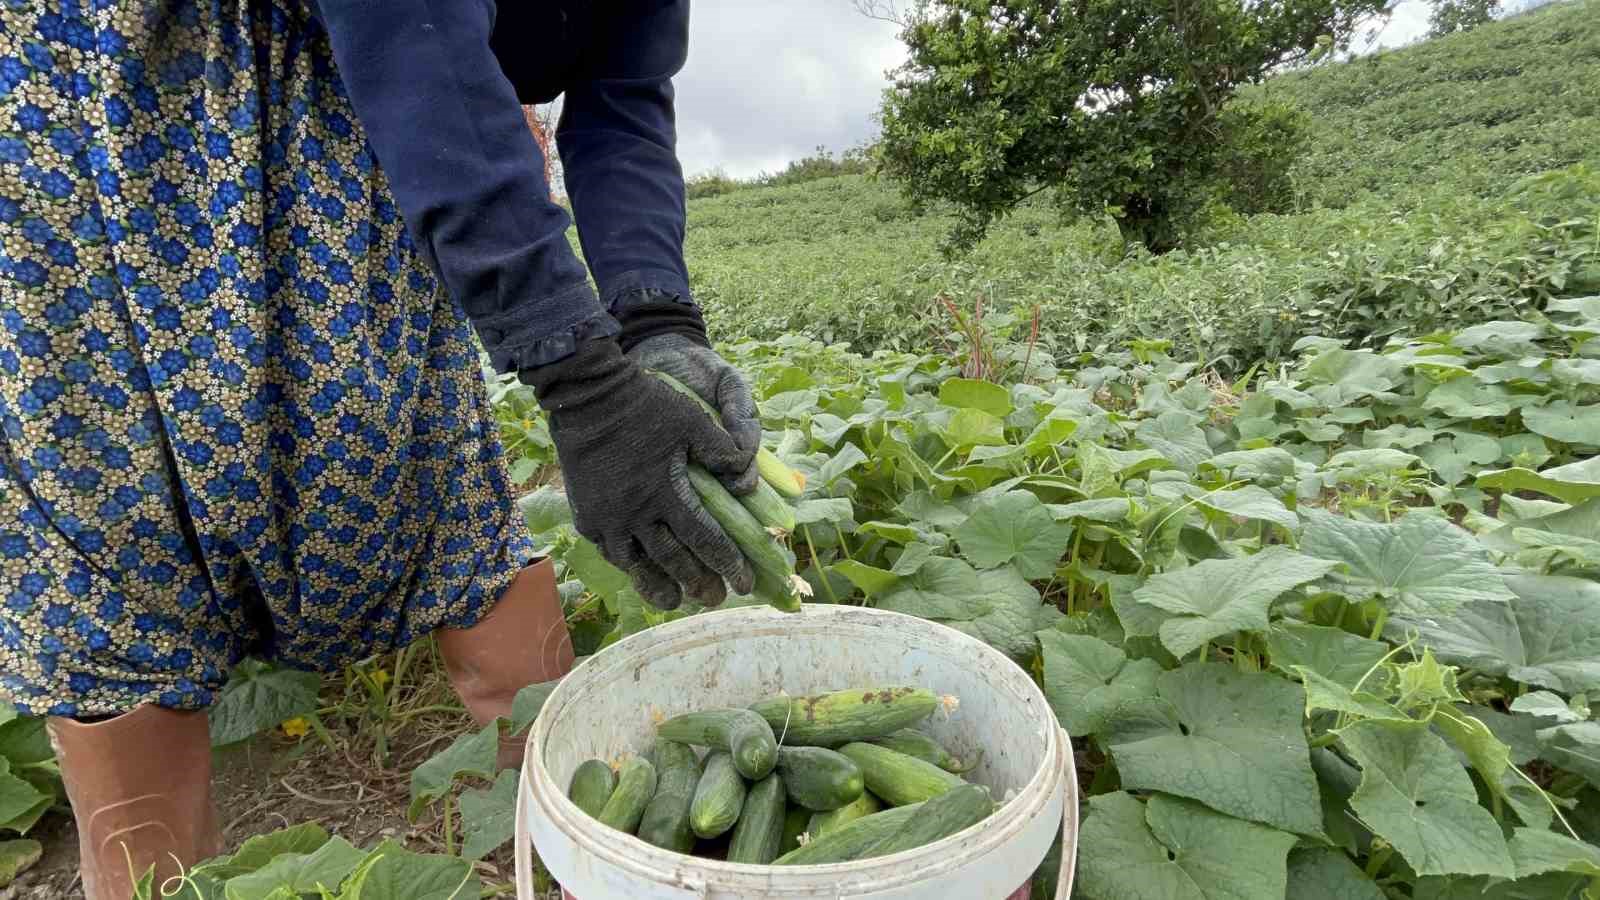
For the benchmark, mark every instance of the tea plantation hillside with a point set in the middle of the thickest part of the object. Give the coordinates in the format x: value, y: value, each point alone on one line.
x: 1451, y: 181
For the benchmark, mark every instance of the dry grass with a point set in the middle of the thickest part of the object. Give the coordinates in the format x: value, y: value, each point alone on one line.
x: 274, y: 781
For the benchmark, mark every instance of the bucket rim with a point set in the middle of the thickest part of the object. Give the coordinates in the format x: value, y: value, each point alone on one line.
x: 1046, y: 786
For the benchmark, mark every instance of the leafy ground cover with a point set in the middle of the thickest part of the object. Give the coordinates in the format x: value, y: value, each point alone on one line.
x: 1330, y: 631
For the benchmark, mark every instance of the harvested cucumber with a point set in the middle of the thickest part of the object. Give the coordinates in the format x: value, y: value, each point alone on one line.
x: 829, y: 720
x: 665, y: 822
x: 636, y: 784
x: 823, y: 822
x: 776, y: 582
x: 592, y: 785
x: 849, y: 841
x: 896, y: 778
x: 774, y: 473
x: 718, y: 798
x: 914, y: 743
x: 760, y: 829
x: 944, y: 815
x: 819, y: 779
x: 739, y: 731
x: 795, y: 823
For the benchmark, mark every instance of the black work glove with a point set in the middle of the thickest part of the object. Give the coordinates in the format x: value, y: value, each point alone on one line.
x: 624, y: 439
x: 664, y: 335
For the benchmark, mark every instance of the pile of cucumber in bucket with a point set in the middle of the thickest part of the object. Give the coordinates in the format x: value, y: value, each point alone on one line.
x: 788, y: 781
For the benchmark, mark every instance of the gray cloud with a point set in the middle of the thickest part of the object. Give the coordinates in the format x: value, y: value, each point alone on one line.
x: 770, y: 80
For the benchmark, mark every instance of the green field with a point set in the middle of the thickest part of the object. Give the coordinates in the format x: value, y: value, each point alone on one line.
x: 1413, y: 215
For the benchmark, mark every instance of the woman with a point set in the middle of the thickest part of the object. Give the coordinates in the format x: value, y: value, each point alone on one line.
x: 246, y: 244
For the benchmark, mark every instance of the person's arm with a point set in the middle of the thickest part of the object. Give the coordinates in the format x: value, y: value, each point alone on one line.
x: 617, y: 138
x: 448, y: 132
x: 466, y: 173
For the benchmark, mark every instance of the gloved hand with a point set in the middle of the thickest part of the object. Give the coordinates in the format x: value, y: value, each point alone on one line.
x: 624, y: 439
x: 718, y: 383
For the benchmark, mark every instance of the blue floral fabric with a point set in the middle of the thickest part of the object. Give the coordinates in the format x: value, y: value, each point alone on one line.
x: 237, y: 415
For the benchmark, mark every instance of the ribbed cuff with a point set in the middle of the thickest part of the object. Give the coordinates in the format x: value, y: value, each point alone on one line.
x: 642, y: 321
x: 539, y: 334
x: 644, y: 286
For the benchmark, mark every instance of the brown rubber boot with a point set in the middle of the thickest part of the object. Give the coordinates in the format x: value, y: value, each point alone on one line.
x: 140, y: 788
x: 522, y: 641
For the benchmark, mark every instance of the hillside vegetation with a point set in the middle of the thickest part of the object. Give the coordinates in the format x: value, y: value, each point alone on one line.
x: 1449, y: 182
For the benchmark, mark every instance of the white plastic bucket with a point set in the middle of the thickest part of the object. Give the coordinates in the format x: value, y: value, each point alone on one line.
x: 609, y: 704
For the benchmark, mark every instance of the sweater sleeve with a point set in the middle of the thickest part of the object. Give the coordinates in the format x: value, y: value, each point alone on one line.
x: 446, y: 128
x: 617, y: 139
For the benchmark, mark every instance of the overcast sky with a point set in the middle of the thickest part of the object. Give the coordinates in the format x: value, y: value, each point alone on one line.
x: 770, y: 80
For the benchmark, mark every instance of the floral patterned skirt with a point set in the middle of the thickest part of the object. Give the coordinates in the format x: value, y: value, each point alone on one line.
x: 237, y: 414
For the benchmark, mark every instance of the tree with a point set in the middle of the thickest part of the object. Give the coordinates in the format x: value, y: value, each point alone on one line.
x: 1119, y: 106
x: 542, y: 122
x: 1450, y: 16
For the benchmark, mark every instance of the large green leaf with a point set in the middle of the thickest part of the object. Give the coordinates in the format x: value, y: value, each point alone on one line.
x: 1518, y: 732
x: 545, y: 509
x: 1466, y: 398
x: 1176, y: 437
x: 1335, y: 654
x: 848, y: 457
x: 872, y: 580
x: 1547, y: 635
x: 25, y: 741
x: 1171, y: 849
x: 1085, y: 678
x: 1581, y: 521
x: 833, y: 510
x: 258, y: 697
x: 1221, y: 596
x: 1457, y: 454
x: 1321, y: 873
x: 1484, y: 752
x: 1536, y: 852
x: 527, y: 704
x: 414, y: 876
x: 970, y: 428
x: 1540, y: 887
x: 1548, y: 705
x: 941, y: 588
x: 1264, y: 462
x: 1351, y: 374
x: 1357, y: 465
x: 1572, y: 483
x: 17, y: 856
x: 1501, y: 338
x: 20, y: 801
x: 968, y: 393
x: 1416, y: 796
x: 1565, y: 421
x: 488, y: 817
x: 470, y: 754
x: 1233, y: 741
x: 599, y: 576
x: 299, y: 873
x: 262, y: 849
x: 1014, y: 527
x: 1324, y: 693
x: 1248, y: 502
x: 1015, y: 613
x: 1422, y: 565
x: 1574, y: 747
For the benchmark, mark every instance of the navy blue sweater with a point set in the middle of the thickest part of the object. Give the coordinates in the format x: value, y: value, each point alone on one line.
x: 443, y: 117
